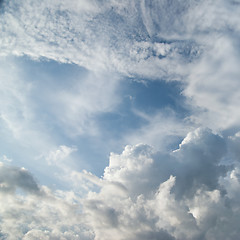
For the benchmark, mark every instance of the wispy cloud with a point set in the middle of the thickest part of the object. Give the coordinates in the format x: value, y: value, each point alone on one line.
x: 69, y: 33
x: 192, y: 42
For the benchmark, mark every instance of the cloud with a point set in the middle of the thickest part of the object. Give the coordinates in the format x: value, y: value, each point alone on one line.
x: 94, y: 95
x: 192, y: 42
x: 4, y: 158
x: 180, y: 195
x: 160, y: 235
x: 162, y: 130
x: 27, y: 102
x: 88, y: 34
x: 206, y: 167
x: 213, y: 84
x: 189, y: 193
x: 194, y: 164
x: 13, y: 177
x: 37, y: 212
x: 195, y: 43
x: 55, y: 157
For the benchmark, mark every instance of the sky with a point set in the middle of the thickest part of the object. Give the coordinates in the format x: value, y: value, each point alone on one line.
x: 120, y: 119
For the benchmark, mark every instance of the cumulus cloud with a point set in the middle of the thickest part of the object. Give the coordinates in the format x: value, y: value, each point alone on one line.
x: 189, y: 193
x: 180, y: 195
x: 194, y: 164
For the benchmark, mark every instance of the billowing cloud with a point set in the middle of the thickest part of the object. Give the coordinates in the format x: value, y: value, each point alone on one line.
x: 190, y: 193
x: 181, y: 195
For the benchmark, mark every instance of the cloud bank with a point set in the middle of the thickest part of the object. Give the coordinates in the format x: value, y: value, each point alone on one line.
x: 189, y: 193
x: 148, y: 194
x: 31, y: 211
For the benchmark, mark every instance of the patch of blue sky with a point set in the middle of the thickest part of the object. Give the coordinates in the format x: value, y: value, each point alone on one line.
x: 140, y: 94
x: 152, y: 96
x: 141, y: 97
x: 145, y: 96
x: 47, y: 78
x: 51, y: 74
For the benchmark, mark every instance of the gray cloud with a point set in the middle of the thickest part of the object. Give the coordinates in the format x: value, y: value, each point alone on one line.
x: 12, y: 178
x: 36, y: 212
x: 200, y: 155
x: 159, y: 235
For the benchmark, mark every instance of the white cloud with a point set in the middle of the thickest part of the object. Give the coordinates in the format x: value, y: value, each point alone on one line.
x: 213, y: 85
x: 56, y: 157
x: 78, y: 107
x: 88, y: 35
x: 14, y: 104
x: 4, y: 158
x: 28, y: 102
x: 161, y: 130
x: 191, y: 205
x: 196, y: 43
x: 185, y: 194
x: 37, y: 212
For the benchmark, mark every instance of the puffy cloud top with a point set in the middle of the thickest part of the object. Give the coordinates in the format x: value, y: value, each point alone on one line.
x: 190, y: 193
x: 180, y: 195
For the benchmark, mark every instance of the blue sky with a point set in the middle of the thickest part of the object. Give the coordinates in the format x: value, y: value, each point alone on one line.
x: 119, y: 118
x: 135, y: 99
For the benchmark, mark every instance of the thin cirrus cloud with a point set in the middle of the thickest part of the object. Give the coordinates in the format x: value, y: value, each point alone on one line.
x: 188, y: 49
x: 91, y: 38
x: 163, y: 191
